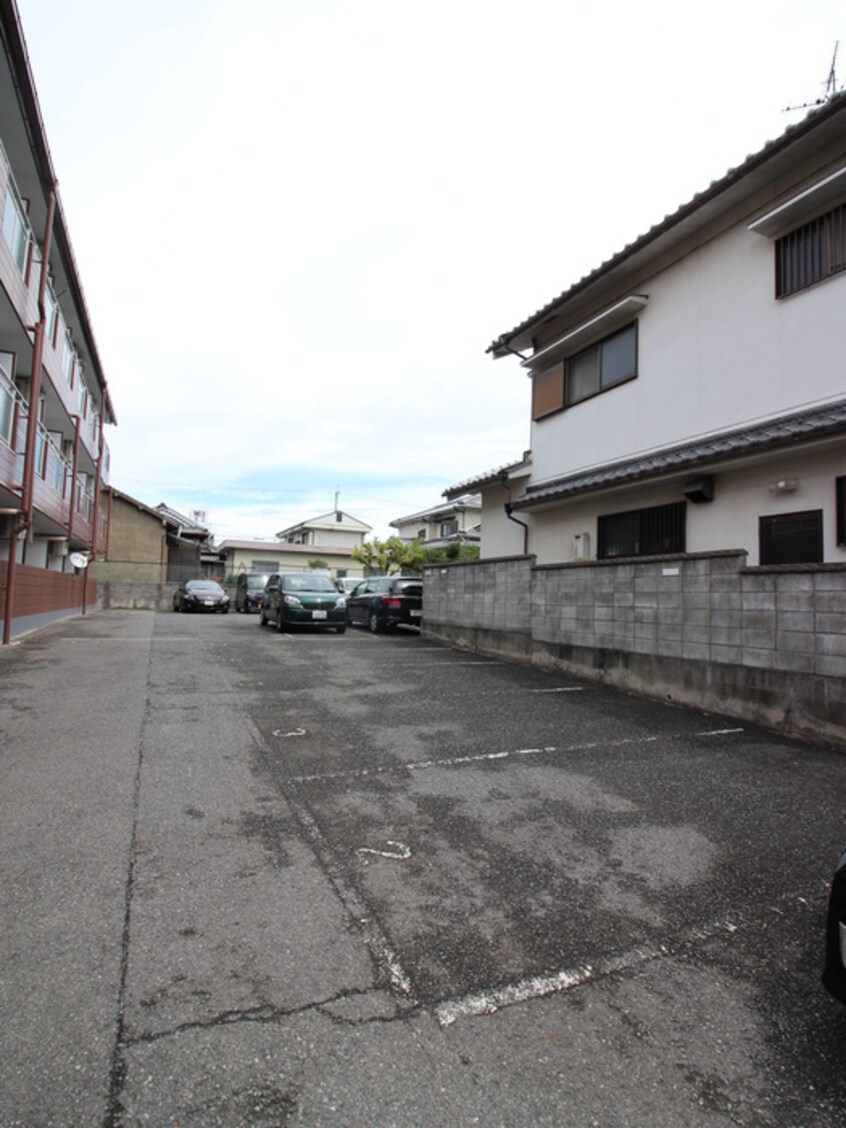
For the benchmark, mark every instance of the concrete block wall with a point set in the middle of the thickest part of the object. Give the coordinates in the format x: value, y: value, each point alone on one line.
x: 767, y: 644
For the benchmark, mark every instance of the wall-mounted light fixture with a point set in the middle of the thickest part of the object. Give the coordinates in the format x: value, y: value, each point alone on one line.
x: 783, y: 485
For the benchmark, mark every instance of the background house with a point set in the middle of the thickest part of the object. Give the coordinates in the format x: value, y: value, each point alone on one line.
x: 457, y: 519
x: 679, y: 525
x: 147, y: 545
x: 54, y: 400
x: 336, y: 528
x: 280, y: 556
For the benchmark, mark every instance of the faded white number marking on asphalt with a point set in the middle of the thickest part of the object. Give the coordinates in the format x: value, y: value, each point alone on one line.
x: 400, y: 853
x: 294, y: 732
x: 720, y: 732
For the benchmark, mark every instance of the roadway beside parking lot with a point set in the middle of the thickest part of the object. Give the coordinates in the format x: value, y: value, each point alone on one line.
x: 262, y: 878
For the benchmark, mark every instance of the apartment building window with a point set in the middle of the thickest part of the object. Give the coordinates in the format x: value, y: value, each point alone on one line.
x: 609, y: 362
x: 656, y: 531
x: 52, y: 318
x: 7, y: 397
x: 68, y: 359
x: 812, y: 252
x: 449, y: 528
x: 792, y: 538
x: 16, y: 230
x: 264, y: 565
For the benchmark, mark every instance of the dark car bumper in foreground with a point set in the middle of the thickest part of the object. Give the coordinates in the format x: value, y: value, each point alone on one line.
x: 314, y: 616
x: 834, y: 974
x: 213, y: 606
x: 404, y: 617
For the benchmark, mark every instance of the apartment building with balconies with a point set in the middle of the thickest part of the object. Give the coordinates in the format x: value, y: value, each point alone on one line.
x: 54, y: 400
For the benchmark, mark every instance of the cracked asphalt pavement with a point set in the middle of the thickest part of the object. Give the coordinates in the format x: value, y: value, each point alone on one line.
x: 263, y: 879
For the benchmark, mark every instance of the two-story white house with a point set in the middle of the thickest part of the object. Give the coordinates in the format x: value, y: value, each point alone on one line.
x: 458, y: 519
x: 335, y: 529
x: 690, y: 394
x: 678, y: 527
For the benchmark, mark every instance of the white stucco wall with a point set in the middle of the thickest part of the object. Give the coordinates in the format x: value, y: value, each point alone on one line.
x: 741, y: 497
x: 715, y: 350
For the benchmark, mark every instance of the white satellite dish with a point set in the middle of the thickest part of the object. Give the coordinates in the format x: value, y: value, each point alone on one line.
x: 78, y: 559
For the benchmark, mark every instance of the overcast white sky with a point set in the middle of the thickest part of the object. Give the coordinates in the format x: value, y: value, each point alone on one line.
x: 300, y: 223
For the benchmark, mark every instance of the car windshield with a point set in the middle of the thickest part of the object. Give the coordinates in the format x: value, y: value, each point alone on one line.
x: 256, y: 583
x: 203, y: 585
x: 308, y: 583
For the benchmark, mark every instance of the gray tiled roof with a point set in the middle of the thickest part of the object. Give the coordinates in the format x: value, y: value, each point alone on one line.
x: 817, y: 117
x: 488, y: 478
x: 785, y: 431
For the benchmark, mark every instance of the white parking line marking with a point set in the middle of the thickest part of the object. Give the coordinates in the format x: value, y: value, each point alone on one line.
x: 539, y: 986
x: 560, y: 689
x: 720, y: 732
x: 378, y: 944
x: 450, y: 761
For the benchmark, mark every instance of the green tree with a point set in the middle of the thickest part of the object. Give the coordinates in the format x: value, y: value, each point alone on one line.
x: 389, y: 557
x: 318, y: 565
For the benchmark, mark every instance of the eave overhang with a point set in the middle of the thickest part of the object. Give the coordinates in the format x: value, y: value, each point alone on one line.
x: 764, y: 175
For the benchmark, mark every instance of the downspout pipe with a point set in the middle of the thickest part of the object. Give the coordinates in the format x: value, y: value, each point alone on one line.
x: 509, y: 510
x: 25, y: 522
x: 508, y: 513
x: 96, y: 522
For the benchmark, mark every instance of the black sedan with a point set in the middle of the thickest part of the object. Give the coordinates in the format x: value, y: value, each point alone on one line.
x: 200, y: 595
x: 834, y: 975
x: 384, y: 603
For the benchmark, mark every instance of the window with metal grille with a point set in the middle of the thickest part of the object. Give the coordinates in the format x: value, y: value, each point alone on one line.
x: 815, y: 251
x: 840, y: 504
x: 792, y: 538
x: 642, y: 532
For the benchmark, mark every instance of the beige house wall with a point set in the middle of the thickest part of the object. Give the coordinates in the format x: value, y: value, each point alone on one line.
x: 136, y: 550
x: 280, y: 557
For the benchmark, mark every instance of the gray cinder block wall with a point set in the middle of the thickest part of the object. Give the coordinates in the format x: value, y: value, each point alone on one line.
x: 764, y: 644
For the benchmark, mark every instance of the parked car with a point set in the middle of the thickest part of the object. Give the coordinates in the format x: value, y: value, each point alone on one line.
x: 303, y: 599
x: 834, y: 973
x: 201, y: 595
x: 382, y: 603
x: 249, y: 590
x: 346, y: 584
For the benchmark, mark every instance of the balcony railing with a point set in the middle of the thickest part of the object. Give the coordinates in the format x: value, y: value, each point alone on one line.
x: 50, y: 464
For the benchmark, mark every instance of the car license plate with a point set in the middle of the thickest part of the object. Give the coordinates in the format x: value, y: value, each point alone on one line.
x: 318, y: 614
x: 416, y: 612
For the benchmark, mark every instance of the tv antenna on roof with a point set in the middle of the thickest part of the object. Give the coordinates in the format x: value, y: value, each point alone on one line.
x: 829, y: 90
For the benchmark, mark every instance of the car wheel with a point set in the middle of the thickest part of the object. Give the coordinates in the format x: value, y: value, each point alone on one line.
x: 225, y: 611
x: 262, y: 619
x: 340, y: 630
x: 280, y: 622
x: 373, y: 623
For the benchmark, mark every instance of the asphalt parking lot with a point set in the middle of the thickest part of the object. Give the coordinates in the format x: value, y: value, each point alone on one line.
x: 312, y: 879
